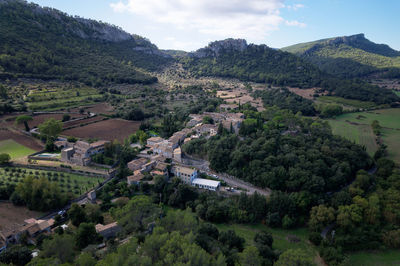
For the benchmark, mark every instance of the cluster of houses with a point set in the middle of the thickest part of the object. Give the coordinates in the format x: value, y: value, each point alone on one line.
x: 157, y: 167
x: 151, y: 160
x: 80, y: 152
x: 30, y: 230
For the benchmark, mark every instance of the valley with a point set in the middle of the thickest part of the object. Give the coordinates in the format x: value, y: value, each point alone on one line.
x: 116, y: 152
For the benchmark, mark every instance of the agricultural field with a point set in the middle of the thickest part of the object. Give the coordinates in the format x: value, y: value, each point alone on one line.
x: 85, y: 121
x: 14, y: 149
x: 356, y: 127
x: 110, y: 129
x: 24, y: 140
x: 69, y: 183
x: 39, y: 119
x: 99, y: 108
x: 347, y: 104
x: 280, y: 236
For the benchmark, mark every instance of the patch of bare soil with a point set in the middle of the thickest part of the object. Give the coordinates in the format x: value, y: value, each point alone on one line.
x: 12, y: 217
x: 110, y: 129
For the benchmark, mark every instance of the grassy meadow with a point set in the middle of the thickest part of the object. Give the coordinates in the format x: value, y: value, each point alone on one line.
x: 14, y: 149
x: 347, y: 104
x: 280, y: 237
x: 357, y: 127
x: 373, y: 258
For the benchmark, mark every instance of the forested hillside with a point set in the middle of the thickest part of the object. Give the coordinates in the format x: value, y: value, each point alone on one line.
x: 235, y: 59
x: 259, y: 63
x: 350, y: 56
x: 46, y: 43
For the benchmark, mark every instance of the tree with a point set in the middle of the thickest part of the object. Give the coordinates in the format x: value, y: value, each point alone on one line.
x: 40, y: 194
x: 17, y: 255
x: 86, y: 235
x: 250, y: 257
x: 93, y: 213
x: 85, y: 259
x: 294, y: 257
x: 51, y: 128
x: 137, y: 214
x: 231, y: 240
x: 4, y: 158
x: 77, y: 214
x: 60, y: 247
x: 66, y: 117
x: 208, y: 120
x: 321, y: 216
x: 332, y: 110
x: 24, y: 119
x: 349, y: 216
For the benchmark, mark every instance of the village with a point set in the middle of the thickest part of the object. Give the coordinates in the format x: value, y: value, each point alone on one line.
x: 158, y: 157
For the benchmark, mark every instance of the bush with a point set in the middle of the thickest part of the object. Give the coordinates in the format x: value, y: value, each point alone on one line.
x: 315, y: 238
x: 4, y: 158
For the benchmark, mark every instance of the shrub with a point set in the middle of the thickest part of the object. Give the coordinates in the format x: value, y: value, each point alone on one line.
x: 315, y: 238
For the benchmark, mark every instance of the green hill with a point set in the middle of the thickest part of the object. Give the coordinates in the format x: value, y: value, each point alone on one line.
x: 46, y: 43
x: 350, y: 56
x: 259, y: 63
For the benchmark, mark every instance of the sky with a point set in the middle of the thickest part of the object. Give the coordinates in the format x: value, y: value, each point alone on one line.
x: 191, y: 24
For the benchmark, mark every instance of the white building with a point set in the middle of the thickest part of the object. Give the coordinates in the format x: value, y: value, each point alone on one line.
x: 206, y: 184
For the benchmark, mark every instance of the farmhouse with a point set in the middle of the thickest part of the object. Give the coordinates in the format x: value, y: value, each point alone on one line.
x: 164, y: 148
x: 109, y: 230
x: 137, y: 164
x: 154, y: 140
x: 80, y: 152
x: 135, y: 179
x: 32, y: 228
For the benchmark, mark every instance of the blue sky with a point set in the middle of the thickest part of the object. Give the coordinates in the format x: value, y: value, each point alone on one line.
x: 192, y: 24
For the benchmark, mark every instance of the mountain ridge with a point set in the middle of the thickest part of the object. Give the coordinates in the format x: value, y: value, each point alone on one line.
x: 47, y: 43
x: 349, y: 56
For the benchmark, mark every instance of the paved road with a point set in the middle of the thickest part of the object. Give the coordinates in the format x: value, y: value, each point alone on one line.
x: 235, y: 182
x: 232, y: 181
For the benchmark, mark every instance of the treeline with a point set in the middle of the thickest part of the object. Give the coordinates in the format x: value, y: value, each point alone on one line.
x: 285, y: 99
x: 39, y: 194
x: 47, y: 44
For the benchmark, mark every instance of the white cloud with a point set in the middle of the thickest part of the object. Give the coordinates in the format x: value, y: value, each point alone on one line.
x: 295, y: 7
x: 295, y: 23
x: 250, y: 19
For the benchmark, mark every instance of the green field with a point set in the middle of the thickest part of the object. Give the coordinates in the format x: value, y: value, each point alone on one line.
x: 356, y: 127
x: 397, y: 92
x: 280, y: 236
x: 76, y: 184
x: 346, y: 103
x: 14, y: 149
x: 372, y: 258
